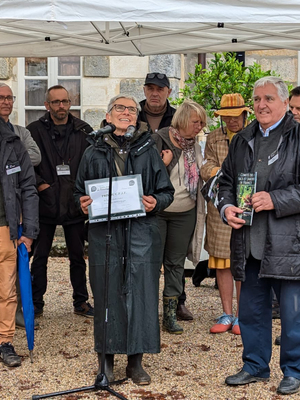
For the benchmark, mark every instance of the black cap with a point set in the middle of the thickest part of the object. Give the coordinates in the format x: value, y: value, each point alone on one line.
x: 158, y: 79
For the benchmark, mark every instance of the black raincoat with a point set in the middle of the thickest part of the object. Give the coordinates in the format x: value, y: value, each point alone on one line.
x: 133, y: 325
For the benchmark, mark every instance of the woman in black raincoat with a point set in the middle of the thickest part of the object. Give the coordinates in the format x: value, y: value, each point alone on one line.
x: 133, y: 325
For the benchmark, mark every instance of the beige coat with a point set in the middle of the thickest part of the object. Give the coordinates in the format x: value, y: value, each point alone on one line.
x: 196, y: 244
x: 217, y: 240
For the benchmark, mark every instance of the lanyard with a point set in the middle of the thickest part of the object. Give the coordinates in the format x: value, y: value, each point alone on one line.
x: 61, y: 151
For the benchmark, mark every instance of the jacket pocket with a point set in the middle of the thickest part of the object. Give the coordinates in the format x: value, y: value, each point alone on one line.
x: 48, y: 202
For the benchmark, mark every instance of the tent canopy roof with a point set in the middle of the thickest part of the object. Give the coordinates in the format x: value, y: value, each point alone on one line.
x: 43, y: 28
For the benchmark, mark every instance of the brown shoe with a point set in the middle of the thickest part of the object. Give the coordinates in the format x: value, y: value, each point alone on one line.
x: 183, y: 313
x: 86, y: 310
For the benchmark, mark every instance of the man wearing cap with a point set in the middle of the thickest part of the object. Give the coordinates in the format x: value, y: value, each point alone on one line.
x: 294, y: 103
x: 156, y: 109
x: 157, y: 113
x: 265, y: 255
x: 233, y: 113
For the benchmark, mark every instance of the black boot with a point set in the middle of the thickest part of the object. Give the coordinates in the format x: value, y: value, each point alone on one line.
x: 135, y: 371
x: 108, y: 366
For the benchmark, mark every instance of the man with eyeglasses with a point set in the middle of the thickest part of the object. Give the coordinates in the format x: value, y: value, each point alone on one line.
x: 7, y: 100
x: 61, y: 138
x: 18, y: 201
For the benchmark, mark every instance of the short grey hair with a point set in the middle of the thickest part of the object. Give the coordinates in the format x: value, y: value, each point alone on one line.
x: 123, y: 96
x: 2, y: 84
x: 280, y: 85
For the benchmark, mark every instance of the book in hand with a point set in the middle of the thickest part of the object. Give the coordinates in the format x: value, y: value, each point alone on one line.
x: 246, y: 187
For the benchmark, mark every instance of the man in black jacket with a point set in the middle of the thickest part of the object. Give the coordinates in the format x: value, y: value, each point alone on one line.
x: 61, y: 138
x: 265, y: 254
x: 294, y: 103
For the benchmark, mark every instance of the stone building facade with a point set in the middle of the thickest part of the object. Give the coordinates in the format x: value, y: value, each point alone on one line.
x: 104, y: 77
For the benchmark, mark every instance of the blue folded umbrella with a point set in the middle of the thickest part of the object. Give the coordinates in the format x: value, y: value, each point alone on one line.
x: 26, y: 292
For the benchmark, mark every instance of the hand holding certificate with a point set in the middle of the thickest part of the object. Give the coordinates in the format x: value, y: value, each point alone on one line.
x: 126, y: 202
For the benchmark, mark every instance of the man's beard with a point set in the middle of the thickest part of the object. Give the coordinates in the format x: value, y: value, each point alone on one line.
x: 60, y: 115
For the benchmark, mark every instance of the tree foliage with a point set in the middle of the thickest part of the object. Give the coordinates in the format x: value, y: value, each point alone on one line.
x: 224, y: 74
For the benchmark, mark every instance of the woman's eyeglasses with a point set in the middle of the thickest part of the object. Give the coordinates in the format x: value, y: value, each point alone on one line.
x: 121, y: 108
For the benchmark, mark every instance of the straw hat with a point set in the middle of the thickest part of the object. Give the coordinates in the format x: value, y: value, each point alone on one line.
x: 232, y: 105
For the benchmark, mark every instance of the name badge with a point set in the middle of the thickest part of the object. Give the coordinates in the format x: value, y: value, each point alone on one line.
x: 273, y: 157
x: 13, y: 168
x: 63, y: 170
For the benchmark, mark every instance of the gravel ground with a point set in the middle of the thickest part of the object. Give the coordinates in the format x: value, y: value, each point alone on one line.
x: 190, y: 366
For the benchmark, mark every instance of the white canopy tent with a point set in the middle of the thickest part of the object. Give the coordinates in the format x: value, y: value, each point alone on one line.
x: 43, y: 28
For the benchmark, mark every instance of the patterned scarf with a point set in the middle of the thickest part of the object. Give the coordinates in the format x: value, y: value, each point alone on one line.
x: 191, y: 170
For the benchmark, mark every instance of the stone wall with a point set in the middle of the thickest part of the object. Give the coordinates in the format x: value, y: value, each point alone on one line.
x: 283, y: 62
x: 105, y: 77
x: 112, y: 75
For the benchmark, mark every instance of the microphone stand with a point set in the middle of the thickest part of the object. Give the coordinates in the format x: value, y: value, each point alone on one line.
x: 128, y: 222
x: 101, y: 382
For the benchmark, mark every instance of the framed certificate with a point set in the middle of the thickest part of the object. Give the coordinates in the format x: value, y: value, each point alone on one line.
x: 126, y: 200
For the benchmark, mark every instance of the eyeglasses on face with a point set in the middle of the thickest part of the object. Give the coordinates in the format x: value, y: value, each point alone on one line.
x: 9, y: 99
x: 228, y: 117
x: 152, y: 75
x: 121, y: 108
x: 65, y: 102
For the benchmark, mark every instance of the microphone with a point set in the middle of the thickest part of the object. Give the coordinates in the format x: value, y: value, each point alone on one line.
x: 109, y: 128
x: 129, y: 133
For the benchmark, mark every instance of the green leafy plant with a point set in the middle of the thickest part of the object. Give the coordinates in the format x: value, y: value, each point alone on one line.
x: 224, y: 74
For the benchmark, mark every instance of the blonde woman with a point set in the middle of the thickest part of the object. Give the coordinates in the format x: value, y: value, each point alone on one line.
x: 184, y: 218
